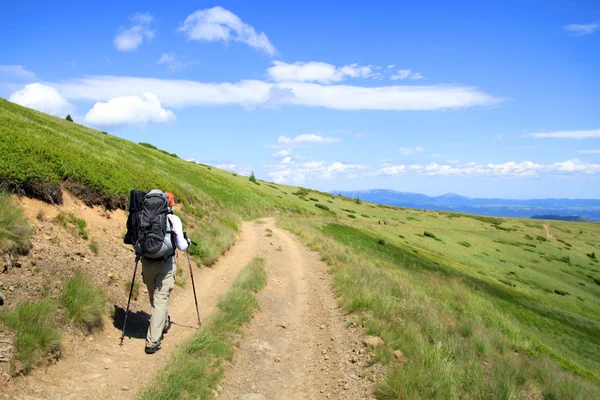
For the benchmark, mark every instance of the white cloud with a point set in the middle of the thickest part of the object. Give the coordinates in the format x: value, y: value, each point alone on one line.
x: 237, y: 168
x: 252, y: 93
x: 130, y: 39
x: 309, y: 138
x: 282, y: 153
x: 218, y: 23
x: 406, y: 74
x: 287, y: 171
x: 594, y: 151
x: 42, y: 98
x: 582, y: 29
x: 585, y: 134
x: 409, y: 150
x: 16, y: 72
x: 524, y: 169
x: 316, y: 72
x: 129, y: 110
x: 173, y: 64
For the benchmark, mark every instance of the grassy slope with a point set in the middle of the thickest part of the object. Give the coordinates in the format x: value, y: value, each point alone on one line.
x: 494, y: 280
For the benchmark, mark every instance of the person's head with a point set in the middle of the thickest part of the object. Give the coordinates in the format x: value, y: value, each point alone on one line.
x: 171, y: 198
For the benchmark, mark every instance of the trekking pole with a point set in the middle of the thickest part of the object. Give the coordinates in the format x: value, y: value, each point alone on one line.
x: 137, y: 259
x: 192, y: 276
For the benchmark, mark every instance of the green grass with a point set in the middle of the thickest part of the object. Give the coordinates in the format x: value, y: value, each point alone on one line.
x: 73, y: 224
x: 84, y: 302
x: 36, y: 331
x: 14, y: 228
x: 449, y: 324
x: 95, y: 247
x: 198, y: 364
x: 477, y: 306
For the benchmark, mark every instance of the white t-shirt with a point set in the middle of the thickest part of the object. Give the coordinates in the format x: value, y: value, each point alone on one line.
x: 182, y: 244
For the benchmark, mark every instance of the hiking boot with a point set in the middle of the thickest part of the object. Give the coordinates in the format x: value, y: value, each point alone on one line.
x: 167, y: 325
x: 152, y: 349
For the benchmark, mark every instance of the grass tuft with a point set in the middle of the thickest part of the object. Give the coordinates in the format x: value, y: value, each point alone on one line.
x: 84, y: 302
x: 36, y: 332
x: 14, y: 228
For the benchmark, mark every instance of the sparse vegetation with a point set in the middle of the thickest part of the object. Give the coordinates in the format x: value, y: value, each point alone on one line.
x: 14, y: 228
x: 95, y: 247
x: 36, y: 331
x: 84, y: 302
x: 73, y: 224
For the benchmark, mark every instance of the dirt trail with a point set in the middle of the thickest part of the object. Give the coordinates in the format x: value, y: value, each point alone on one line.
x: 548, y: 231
x: 299, y: 346
x: 103, y: 370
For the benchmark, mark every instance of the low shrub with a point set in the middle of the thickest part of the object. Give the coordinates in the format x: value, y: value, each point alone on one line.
x: 322, y: 206
x: 429, y: 235
x: 466, y: 244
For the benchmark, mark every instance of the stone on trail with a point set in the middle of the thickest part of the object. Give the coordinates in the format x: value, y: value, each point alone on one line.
x: 373, y: 342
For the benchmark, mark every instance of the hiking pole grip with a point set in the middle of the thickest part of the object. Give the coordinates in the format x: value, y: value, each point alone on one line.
x: 137, y: 259
x: 194, y: 288
x: 190, y: 241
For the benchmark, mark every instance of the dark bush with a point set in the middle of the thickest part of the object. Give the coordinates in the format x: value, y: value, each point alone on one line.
x: 322, y: 206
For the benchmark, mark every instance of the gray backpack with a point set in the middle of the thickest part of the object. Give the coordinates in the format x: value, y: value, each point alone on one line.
x: 155, y: 237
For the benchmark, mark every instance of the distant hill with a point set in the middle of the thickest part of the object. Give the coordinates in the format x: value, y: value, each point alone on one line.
x: 584, y: 208
x: 561, y: 218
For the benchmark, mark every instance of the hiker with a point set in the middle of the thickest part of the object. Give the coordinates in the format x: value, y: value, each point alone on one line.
x: 159, y: 276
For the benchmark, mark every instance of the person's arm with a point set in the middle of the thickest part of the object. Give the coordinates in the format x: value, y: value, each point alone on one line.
x: 182, y: 243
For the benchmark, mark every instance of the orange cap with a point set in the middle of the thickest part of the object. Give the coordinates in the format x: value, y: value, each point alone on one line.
x: 171, y: 198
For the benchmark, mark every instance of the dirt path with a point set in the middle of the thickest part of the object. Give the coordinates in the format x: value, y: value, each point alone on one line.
x: 102, y: 370
x: 299, y: 346
x: 548, y: 231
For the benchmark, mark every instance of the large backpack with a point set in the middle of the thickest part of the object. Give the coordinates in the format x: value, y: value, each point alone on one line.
x: 136, y: 199
x: 155, y: 238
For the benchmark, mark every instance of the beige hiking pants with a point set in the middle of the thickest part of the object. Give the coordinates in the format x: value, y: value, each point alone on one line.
x: 159, y: 277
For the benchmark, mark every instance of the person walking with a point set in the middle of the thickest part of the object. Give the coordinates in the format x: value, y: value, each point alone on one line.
x: 159, y: 276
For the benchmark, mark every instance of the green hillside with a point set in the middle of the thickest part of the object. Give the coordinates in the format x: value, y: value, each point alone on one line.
x: 479, y: 306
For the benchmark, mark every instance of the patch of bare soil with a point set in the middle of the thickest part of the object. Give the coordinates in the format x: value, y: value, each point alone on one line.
x: 549, y: 234
x: 300, y: 345
x: 96, y: 367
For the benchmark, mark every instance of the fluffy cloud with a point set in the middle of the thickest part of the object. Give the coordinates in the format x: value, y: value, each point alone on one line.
x: 586, y: 134
x: 217, y: 23
x: 253, y: 93
x: 173, y: 64
x: 282, y: 153
x: 406, y: 151
x: 288, y: 171
x: 309, y: 138
x: 16, y: 72
x: 130, y: 39
x: 129, y: 110
x: 42, y: 98
x: 582, y: 29
x: 406, y: 74
x: 316, y: 72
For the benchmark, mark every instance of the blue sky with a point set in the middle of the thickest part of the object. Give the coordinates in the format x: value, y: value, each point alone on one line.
x: 485, y: 99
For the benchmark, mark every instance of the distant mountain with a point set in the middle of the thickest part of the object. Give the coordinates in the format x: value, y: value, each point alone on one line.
x: 561, y: 218
x: 585, y: 208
